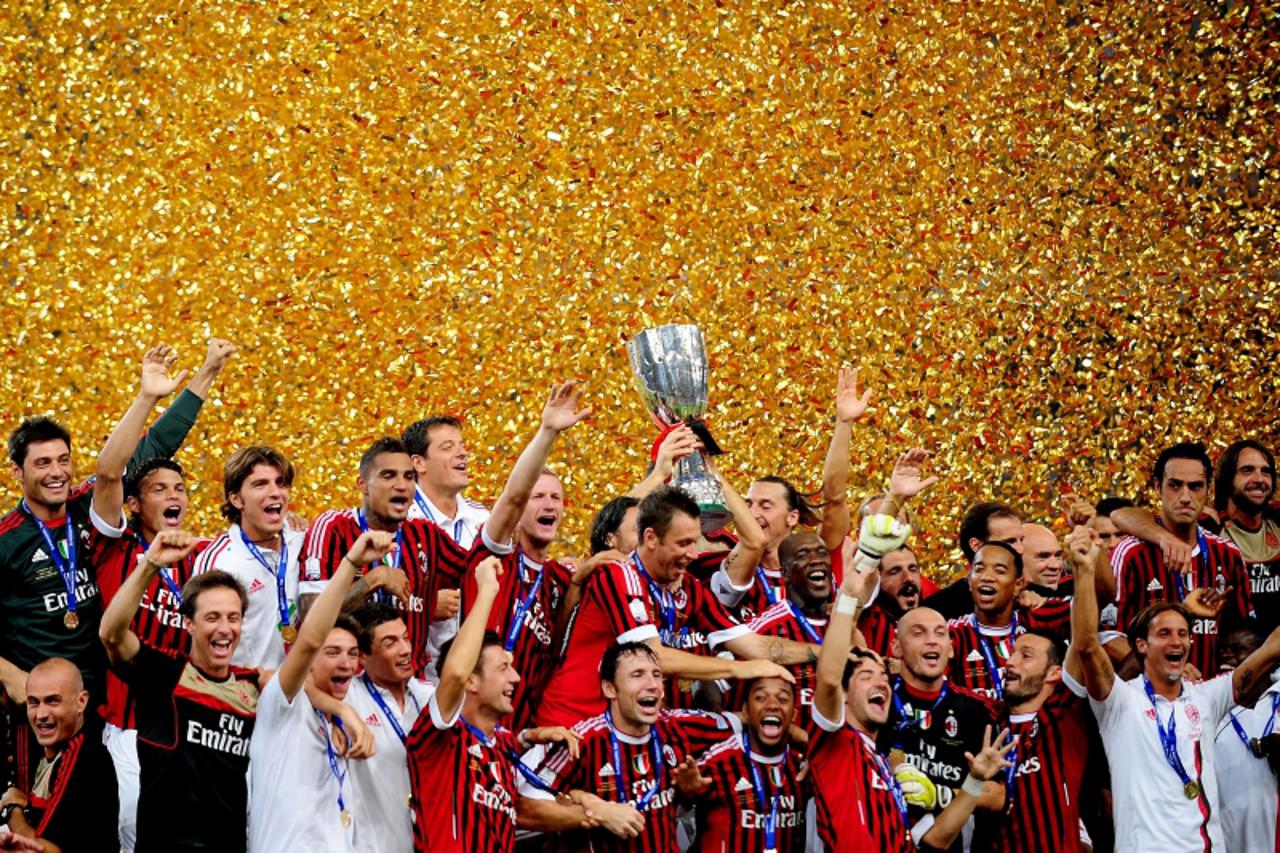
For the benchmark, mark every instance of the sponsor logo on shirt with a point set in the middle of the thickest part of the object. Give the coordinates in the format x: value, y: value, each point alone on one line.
x: 228, y: 737
x: 256, y: 586
x: 372, y: 720
x: 951, y: 726
x: 39, y: 556
x: 1155, y: 585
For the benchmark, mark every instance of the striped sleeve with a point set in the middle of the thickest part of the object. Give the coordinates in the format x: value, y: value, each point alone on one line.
x: 620, y: 595
x: 208, y: 560
x: 327, y: 541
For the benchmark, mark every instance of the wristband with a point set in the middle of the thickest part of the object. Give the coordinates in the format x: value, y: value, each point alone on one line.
x: 973, y: 787
x: 847, y: 605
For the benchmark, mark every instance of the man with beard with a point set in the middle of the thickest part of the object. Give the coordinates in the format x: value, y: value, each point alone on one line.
x: 1246, y: 751
x: 1175, y: 559
x: 933, y: 723
x: 301, y: 799
x: 1242, y: 494
x: 859, y: 803
x: 900, y: 590
x: 1158, y: 728
x: 982, y: 640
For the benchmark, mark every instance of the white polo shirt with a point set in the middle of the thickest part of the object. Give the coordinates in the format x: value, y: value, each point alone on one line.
x: 261, y: 645
x: 1247, y: 800
x: 293, y: 792
x: 385, y: 824
x: 1152, y: 813
x: 463, y: 529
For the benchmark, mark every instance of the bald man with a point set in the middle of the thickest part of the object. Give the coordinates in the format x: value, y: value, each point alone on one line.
x: 1043, y: 565
x: 73, y: 803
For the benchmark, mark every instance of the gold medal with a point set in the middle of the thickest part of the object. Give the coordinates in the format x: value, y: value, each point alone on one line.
x: 289, y: 634
x: 1191, y: 790
x: 346, y: 818
x: 71, y: 620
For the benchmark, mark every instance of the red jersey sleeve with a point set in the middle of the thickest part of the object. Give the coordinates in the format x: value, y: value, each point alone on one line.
x: 326, y: 542
x: 619, y: 593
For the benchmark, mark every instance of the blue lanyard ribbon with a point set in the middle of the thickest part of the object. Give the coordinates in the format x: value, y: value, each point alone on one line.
x: 1169, y: 736
x: 805, y: 624
x: 656, y: 744
x: 989, y: 654
x: 885, y: 772
x: 1271, y: 723
x: 279, y: 572
x: 905, y: 721
x: 338, y: 773
x: 1203, y: 560
x: 666, y: 604
x: 431, y: 517
x: 165, y: 574
x: 522, y: 604
x: 393, y: 559
x: 769, y: 594
x: 532, y: 778
x: 66, y: 567
x: 385, y: 708
x: 757, y: 783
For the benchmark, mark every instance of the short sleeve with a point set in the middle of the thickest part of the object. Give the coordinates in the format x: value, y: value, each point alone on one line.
x: 620, y: 595
x: 1120, y: 700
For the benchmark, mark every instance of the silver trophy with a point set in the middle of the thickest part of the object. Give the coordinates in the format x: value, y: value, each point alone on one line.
x: 670, y: 368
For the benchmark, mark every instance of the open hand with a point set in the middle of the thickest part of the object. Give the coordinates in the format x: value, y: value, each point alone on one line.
x: 156, y: 364
x: 561, y: 411
x: 849, y: 404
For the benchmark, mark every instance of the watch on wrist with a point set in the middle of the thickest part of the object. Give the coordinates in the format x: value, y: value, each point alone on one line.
x: 6, y: 811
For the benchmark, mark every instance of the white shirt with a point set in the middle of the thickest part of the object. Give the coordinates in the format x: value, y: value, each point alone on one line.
x: 462, y: 529
x: 1247, y: 799
x: 381, y: 783
x: 1152, y: 813
x: 261, y: 645
x: 293, y: 793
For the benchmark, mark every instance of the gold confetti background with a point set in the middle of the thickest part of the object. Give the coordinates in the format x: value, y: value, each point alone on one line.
x: 1046, y: 230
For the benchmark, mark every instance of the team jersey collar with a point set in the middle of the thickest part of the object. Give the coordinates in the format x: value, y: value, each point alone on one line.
x: 631, y: 739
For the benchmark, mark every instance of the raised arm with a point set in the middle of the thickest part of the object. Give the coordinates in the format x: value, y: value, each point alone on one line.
x: 560, y: 413
x: 214, y: 361
x: 1090, y: 658
x: 675, y: 445
x: 828, y: 694
x: 155, y: 385
x: 464, y: 654
x: 835, y: 470
x: 984, y: 767
x: 907, y: 481
x: 170, y: 430
x: 372, y: 546
x: 742, y: 561
x: 122, y: 644
x: 1251, y: 678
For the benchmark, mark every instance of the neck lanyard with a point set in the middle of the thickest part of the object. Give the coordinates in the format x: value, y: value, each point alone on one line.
x: 1011, y: 772
x: 656, y: 745
x: 1203, y: 561
x: 510, y: 754
x: 339, y: 773
x: 431, y: 516
x: 805, y: 625
x: 522, y: 604
x: 757, y: 783
x: 393, y: 559
x: 66, y: 567
x: 385, y: 708
x: 1255, y: 744
x: 770, y: 595
x: 884, y: 772
x: 906, y: 722
x: 1169, y: 742
x: 280, y: 572
x: 165, y: 573
x: 666, y: 604
x: 989, y: 653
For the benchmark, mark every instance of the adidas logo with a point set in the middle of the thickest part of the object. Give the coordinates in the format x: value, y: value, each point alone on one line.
x: 1155, y: 586
x: 39, y: 556
x: 742, y: 785
x: 256, y: 586
x: 606, y: 771
x: 475, y: 751
x: 372, y: 720
x: 974, y: 655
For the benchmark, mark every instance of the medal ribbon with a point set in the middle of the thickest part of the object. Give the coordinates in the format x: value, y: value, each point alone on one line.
x: 1169, y: 736
x: 805, y: 624
x: 522, y: 604
x: 431, y: 516
x: 654, y: 742
x: 989, y: 654
x: 1203, y: 560
x: 66, y: 567
x: 339, y: 774
x: 905, y: 721
x: 1271, y: 724
x: 532, y: 778
x: 165, y: 574
x: 885, y: 773
x: 770, y: 595
x: 757, y: 783
x: 279, y: 572
x: 393, y: 559
x: 666, y: 604
x: 385, y: 708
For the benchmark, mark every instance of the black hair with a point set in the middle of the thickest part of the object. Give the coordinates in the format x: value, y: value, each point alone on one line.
x: 608, y: 521
x: 795, y: 501
x: 1192, y: 450
x: 1106, y: 506
x: 133, y: 479
x: 857, y: 657
x: 661, y: 506
x: 976, y: 523
x: 1229, y: 461
x: 417, y: 436
x: 615, y: 653
x: 1057, y: 646
x: 386, y: 444
x: 491, y: 638
x: 32, y: 431
x: 994, y: 543
x: 369, y: 616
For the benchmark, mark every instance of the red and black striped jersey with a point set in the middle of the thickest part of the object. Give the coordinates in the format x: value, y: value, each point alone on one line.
x: 853, y: 789
x: 970, y: 643
x: 157, y: 623
x: 1142, y: 579
x: 463, y: 787
x: 780, y: 620
x: 532, y: 654
x: 733, y: 812
x: 878, y: 629
x: 1042, y: 814
x: 617, y: 767
x: 423, y: 551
